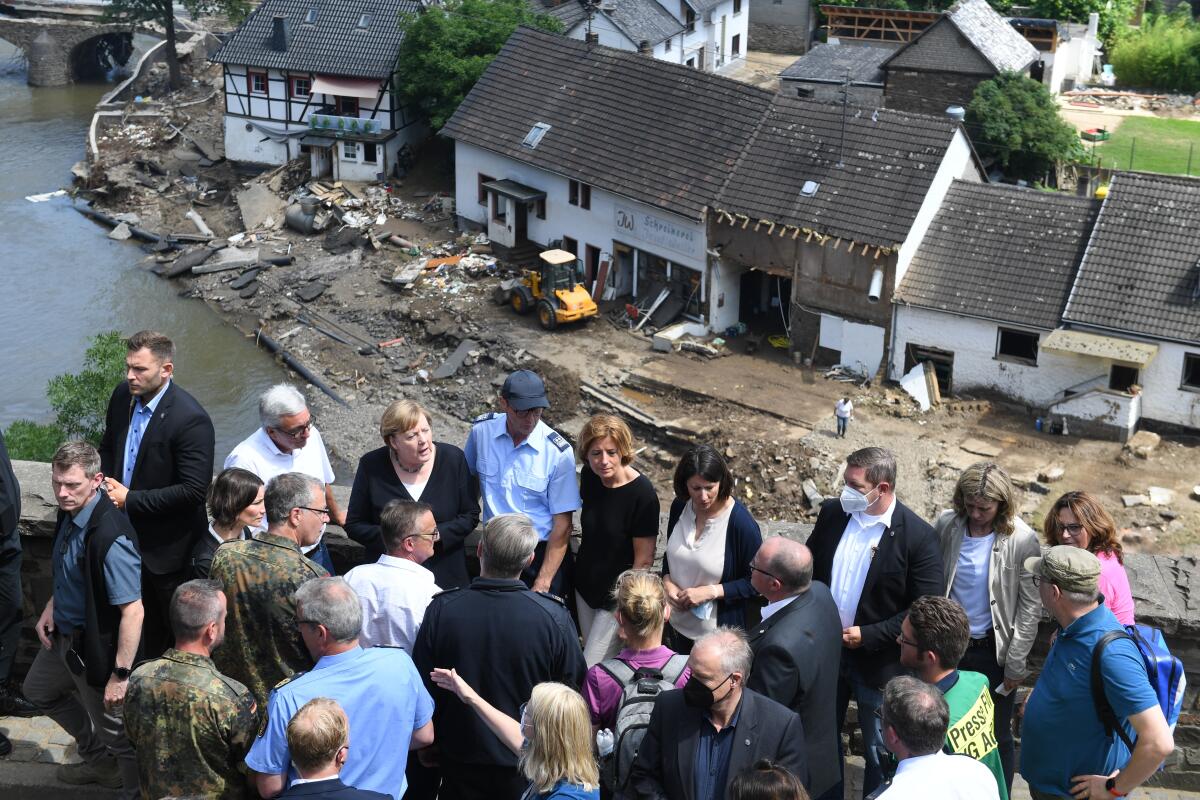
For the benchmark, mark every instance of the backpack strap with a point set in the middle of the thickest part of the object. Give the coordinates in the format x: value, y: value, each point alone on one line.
x: 618, y: 670
x: 1108, y: 717
x: 674, y: 667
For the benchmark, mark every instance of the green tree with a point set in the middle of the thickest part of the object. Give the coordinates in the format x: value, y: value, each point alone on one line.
x: 1114, y: 14
x: 1015, y: 120
x: 162, y: 13
x: 446, y: 48
x: 78, y: 400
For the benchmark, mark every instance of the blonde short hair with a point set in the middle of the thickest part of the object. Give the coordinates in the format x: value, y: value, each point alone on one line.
x: 560, y: 743
x: 316, y: 732
x: 607, y: 426
x: 988, y: 481
x: 401, y: 416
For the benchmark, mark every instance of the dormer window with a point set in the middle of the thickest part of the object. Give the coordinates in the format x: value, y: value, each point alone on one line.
x: 311, y: 17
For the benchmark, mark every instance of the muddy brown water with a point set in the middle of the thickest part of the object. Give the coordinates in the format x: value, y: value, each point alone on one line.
x: 62, y: 280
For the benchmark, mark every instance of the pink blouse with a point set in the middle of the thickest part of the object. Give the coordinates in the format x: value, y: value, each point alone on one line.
x: 1114, y: 585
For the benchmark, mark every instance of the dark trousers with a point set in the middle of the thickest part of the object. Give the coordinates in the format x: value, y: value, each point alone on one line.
x: 423, y: 781
x: 156, y: 602
x: 868, y: 698
x: 981, y: 657
x: 562, y: 585
x: 479, y: 782
x: 11, y: 607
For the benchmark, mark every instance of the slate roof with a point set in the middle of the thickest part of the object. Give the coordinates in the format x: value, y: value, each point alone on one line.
x: 643, y: 20
x: 890, y: 158
x: 1002, y: 253
x: 1142, y: 267
x: 832, y: 63
x: 999, y: 46
x: 333, y: 45
x: 569, y: 12
x: 661, y: 133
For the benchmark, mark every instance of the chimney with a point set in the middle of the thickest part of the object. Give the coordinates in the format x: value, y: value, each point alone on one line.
x: 279, y: 33
x: 645, y: 48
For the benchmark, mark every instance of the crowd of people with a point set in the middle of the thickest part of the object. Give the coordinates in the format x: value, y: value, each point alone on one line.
x: 197, y: 643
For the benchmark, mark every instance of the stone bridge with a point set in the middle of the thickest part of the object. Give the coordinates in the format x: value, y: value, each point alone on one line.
x: 62, y: 38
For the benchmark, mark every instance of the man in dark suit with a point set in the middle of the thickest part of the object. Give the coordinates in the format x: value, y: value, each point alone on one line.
x: 157, y: 456
x: 318, y: 737
x: 876, y: 556
x: 797, y: 649
x: 12, y: 702
x: 701, y: 736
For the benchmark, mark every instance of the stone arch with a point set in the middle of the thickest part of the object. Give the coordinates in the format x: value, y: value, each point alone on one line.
x: 49, y: 43
x: 95, y: 55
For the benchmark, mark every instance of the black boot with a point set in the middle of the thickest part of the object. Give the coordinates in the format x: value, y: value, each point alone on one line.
x: 5, y: 745
x: 14, y: 704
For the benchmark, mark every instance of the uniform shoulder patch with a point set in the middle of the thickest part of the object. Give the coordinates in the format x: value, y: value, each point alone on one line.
x: 553, y: 597
x: 558, y: 440
x: 388, y: 646
x: 484, y: 417
x: 288, y: 680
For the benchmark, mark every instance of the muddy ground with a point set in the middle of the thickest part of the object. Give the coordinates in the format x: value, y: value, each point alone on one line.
x: 372, y: 343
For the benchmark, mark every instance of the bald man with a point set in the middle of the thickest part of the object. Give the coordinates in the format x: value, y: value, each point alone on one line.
x: 797, y: 648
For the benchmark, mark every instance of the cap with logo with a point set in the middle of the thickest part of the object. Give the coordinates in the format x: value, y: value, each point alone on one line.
x: 524, y: 390
x: 1071, y: 569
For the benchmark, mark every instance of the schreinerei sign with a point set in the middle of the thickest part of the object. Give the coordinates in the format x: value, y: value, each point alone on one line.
x: 654, y: 230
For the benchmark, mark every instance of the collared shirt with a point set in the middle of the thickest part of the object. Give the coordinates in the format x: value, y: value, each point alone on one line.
x: 259, y: 454
x: 853, y: 557
x: 299, y: 781
x: 713, y: 751
x: 142, y: 414
x: 779, y: 605
x: 122, y: 571
x: 394, y: 593
x: 939, y: 776
x: 536, y: 477
x: 385, y: 701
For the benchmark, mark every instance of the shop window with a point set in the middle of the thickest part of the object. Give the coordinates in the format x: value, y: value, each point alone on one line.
x: 370, y: 153
x: 539, y: 208
x: 300, y: 87
x: 1191, y: 371
x: 257, y: 82
x: 347, y: 106
x: 483, y: 193
x: 570, y: 245
x: 1120, y: 377
x: 1019, y: 346
x: 349, y: 151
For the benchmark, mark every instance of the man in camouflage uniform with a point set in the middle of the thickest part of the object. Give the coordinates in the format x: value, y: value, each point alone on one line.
x: 191, y: 725
x: 263, y: 644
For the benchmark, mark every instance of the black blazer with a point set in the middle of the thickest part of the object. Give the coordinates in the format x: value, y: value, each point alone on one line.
x: 796, y: 655
x: 667, y: 757
x: 330, y: 790
x: 907, y: 565
x: 10, y: 504
x: 171, y: 477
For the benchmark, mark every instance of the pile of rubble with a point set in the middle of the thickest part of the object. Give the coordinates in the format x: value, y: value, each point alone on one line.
x: 1130, y: 100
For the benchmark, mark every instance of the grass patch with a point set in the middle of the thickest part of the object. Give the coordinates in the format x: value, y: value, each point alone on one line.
x: 1155, y: 145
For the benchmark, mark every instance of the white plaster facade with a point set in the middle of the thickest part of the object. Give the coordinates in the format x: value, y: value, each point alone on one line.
x: 266, y: 127
x: 720, y: 35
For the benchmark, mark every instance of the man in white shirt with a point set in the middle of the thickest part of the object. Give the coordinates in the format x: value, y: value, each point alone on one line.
x: 289, y: 441
x: 395, y: 590
x: 914, y: 719
x: 844, y: 411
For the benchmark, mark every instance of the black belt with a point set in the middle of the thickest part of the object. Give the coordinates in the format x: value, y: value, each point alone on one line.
x: 982, y: 641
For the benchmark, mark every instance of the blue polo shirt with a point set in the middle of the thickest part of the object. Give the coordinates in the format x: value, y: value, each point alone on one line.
x: 1062, y: 735
x: 122, y: 571
x: 536, y: 478
x: 385, y: 701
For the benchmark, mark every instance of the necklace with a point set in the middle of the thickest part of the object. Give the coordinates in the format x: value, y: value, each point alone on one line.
x: 401, y: 467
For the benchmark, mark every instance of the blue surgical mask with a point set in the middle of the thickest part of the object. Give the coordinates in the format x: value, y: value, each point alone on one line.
x: 853, y: 500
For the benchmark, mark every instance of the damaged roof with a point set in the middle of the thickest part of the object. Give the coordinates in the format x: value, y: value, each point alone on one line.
x: 888, y: 162
x: 335, y: 43
x: 664, y: 134
x: 997, y: 46
x: 835, y: 63
x: 1141, y: 272
x: 1000, y: 252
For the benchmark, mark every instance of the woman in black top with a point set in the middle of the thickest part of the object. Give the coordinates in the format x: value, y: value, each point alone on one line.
x: 235, y: 501
x: 619, y: 522
x: 411, y: 466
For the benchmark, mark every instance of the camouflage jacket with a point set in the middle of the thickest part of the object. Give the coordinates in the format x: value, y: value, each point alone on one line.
x: 262, y: 643
x: 191, y: 726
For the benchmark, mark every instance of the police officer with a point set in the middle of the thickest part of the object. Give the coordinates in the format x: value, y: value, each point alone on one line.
x: 525, y: 467
x: 503, y: 639
x: 387, y: 705
x: 190, y: 724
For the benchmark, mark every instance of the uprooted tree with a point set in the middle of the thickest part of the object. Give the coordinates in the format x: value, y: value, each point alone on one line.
x: 447, y: 47
x: 162, y: 12
x: 1014, y: 120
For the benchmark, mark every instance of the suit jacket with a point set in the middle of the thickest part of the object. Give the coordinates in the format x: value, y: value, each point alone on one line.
x: 329, y: 790
x: 10, y: 504
x: 907, y: 565
x: 667, y: 757
x: 170, y: 478
x: 797, y: 651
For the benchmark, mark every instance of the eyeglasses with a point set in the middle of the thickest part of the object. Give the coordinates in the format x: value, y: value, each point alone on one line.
x: 435, y: 536
x: 527, y: 413
x: 324, y: 512
x: 308, y: 622
x: 754, y: 569
x: 1037, y: 580
x: 299, y: 430
x: 1074, y: 528
x: 901, y: 640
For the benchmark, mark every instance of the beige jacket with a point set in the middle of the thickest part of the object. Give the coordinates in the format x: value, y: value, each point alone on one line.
x: 1016, y: 607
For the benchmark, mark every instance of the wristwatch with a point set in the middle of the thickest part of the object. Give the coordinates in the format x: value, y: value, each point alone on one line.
x: 122, y: 673
x: 1111, y: 786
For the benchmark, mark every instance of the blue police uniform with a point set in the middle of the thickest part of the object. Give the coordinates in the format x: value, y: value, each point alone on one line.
x: 384, y: 699
x: 536, y: 478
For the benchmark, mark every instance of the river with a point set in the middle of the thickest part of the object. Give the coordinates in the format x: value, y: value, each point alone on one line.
x: 62, y: 280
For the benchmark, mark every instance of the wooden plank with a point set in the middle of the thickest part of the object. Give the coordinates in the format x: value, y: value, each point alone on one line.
x: 601, y: 279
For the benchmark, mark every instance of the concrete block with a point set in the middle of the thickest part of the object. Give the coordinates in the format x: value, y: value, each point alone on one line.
x: 1131, y: 500
x: 1143, y: 443
x: 260, y: 207
x: 1160, y: 496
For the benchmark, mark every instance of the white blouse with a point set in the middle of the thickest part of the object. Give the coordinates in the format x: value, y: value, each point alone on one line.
x: 697, y: 558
